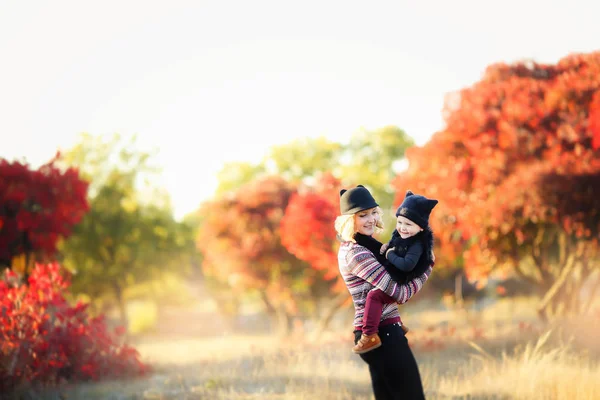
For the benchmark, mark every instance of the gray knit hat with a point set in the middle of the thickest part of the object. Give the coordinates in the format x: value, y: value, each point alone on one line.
x: 355, y: 200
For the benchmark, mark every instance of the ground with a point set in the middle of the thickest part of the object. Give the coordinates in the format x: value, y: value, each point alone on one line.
x: 493, y: 351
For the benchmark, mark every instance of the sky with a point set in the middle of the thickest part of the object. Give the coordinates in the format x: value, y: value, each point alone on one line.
x: 206, y: 82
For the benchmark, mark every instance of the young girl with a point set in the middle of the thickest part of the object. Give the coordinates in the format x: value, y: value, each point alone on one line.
x: 407, y: 255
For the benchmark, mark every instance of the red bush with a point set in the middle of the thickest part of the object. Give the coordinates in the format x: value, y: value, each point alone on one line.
x: 45, y: 340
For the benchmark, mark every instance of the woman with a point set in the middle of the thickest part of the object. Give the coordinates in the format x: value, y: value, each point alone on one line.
x: 393, y: 368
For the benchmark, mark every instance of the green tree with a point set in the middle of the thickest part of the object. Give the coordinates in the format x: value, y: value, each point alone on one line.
x: 235, y: 174
x: 123, y: 240
x: 372, y: 159
x: 304, y: 158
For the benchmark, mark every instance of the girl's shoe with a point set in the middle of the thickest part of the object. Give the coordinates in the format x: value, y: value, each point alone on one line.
x: 367, y: 343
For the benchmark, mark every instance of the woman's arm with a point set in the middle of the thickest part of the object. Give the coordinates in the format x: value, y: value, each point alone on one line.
x: 362, y: 263
x: 373, y: 245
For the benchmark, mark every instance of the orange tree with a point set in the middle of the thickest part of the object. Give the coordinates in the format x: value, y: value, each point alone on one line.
x: 517, y: 173
x: 37, y: 208
x: 307, y: 231
x: 240, y: 240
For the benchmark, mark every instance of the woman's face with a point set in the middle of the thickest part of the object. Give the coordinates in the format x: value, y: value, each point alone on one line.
x: 365, y: 221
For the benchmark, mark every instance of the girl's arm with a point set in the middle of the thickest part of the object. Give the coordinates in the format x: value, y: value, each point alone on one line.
x: 362, y: 263
x: 409, y: 261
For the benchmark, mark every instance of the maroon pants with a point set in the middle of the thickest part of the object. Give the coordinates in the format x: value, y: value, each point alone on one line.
x: 373, y: 309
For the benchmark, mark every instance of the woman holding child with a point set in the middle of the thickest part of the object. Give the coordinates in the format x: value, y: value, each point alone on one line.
x: 392, y: 366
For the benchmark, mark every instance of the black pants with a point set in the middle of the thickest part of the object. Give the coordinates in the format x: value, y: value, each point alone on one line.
x: 393, y: 368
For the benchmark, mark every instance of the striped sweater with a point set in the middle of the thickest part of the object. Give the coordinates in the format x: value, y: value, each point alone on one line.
x: 362, y: 272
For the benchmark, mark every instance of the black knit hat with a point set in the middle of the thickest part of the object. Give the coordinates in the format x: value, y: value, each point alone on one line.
x: 355, y: 200
x: 416, y: 208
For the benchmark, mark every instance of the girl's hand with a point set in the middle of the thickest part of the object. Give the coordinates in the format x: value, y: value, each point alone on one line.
x: 383, y: 248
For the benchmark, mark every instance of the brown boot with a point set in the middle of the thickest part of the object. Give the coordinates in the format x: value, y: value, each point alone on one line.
x: 367, y: 343
x: 404, y: 328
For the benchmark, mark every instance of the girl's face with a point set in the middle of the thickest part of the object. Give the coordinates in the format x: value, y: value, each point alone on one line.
x: 365, y: 221
x: 406, y: 228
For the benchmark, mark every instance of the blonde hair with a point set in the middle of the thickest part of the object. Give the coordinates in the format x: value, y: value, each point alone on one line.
x: 346, y: 228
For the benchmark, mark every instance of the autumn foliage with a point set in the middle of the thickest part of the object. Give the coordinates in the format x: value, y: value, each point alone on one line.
x: 45, y: 340
x: 240, y: 241
x: 517, y: 172
x: 37, y: 208
x: 307, y: 229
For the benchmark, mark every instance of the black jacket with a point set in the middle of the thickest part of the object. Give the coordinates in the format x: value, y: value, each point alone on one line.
x: 425, y: 239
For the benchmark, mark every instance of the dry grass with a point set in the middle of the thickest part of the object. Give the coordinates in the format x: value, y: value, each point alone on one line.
x: 459, y: 358
x: 533, y: 371
x: 259, y: 372
x: 536, y: 370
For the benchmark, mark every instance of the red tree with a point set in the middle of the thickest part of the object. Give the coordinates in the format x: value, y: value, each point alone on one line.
x: 37, y: 207
x: 240, y: 240
x: 517, y: 173
x: 307, y: 231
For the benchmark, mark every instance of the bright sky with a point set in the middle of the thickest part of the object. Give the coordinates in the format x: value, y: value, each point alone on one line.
x: 213, y: 81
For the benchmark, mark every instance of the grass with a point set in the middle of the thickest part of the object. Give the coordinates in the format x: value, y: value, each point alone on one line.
x: 533, y: 371
x: 258, y: 371
x: 538, y: 369
x: 460, y: 357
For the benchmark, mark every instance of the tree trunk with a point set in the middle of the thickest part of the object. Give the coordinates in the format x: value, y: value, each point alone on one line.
x: 522, y: 275
x: 573, y: 299
x: 458, y: 292
x: 280, y: 319
x: 587, y: 308
x: 26, y: 271
x: 284, y: 322
x: 550, y: 296
x: 329, y: 312
x: 269, y: 308
x: 121, y: 305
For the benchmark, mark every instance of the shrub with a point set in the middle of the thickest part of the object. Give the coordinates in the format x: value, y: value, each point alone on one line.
x: 45, y: 340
